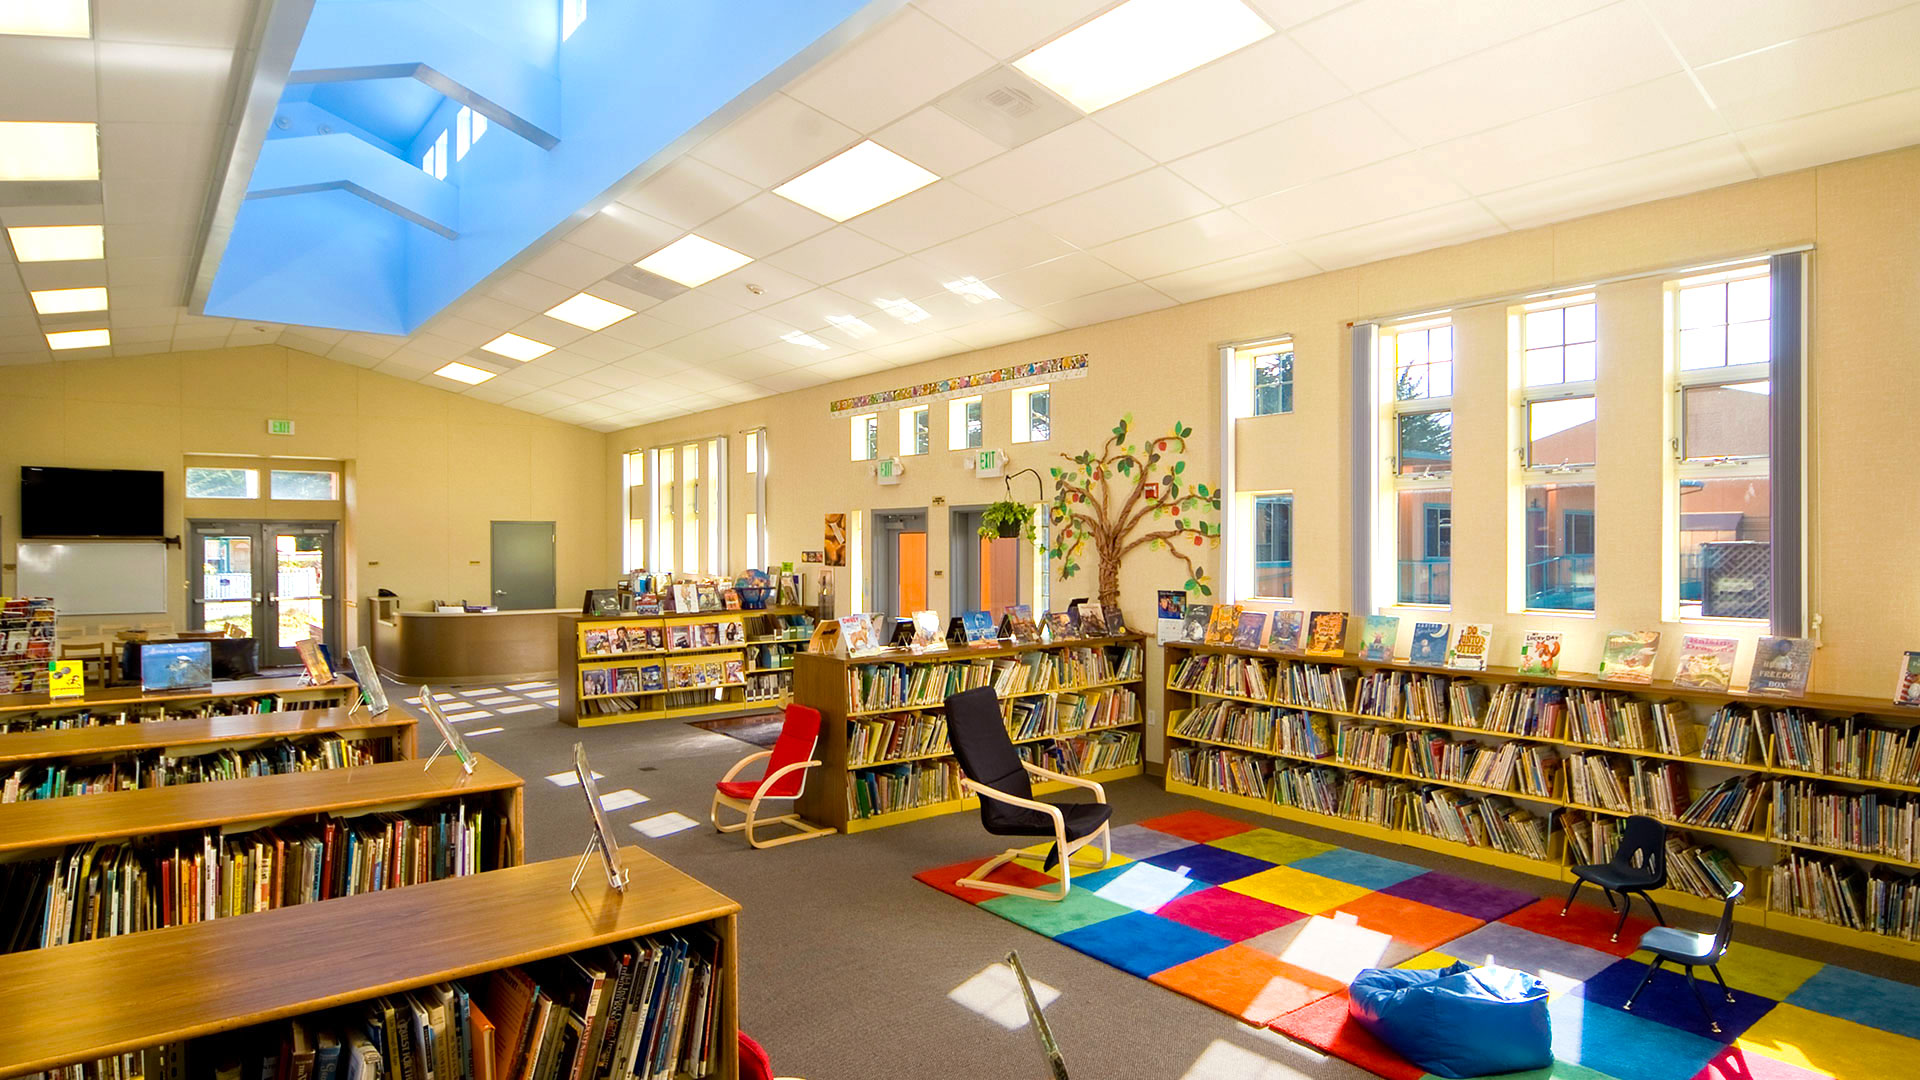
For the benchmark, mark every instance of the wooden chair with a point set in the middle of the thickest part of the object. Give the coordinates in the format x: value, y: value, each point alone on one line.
x: 994, y: 771
x: 90, y: 654
x: 784, y: 780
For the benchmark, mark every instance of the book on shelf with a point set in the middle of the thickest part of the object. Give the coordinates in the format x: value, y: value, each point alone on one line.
x: 1377, y: 637
x: 1906, y: 690
x: 1193, y: 631
x: 1170, y: 611
x: 708, y: 596
x: 1428, y: 646
x: 1060, y: 626
x: 1093, y: 619
x: 1781, y: 666
x: 1470, y: 647
x: 686, y: 598
x: 1327, y: 633
x: 1706, y: 662
x: 927, y: 635
x: 66, y: 680
x: 1284, y: 634
x: 1540, y: 653
x: 651, y: 677
x: 979, y: 628
x: 1020, y: 625
x: 1628, y: 656
x: 648, y: 603
x: 1247, y: 633
x: 1221, y: 623
x: 856, y: 631
x: 730, y: 598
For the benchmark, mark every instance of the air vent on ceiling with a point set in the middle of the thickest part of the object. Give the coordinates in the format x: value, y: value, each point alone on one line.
x: 1007, y: 107
x: 650, y: 284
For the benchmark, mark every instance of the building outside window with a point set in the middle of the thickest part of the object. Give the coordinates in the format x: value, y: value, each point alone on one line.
x: 916, y: 431
x: 1419, y: 416
x: 1032, y: 414
x: 866, y: 436
x: 1269, y: 571
x: 965, y: 430
x: 1558, y: 343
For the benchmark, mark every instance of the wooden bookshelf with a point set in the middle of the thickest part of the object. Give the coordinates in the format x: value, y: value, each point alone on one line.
x: 771, y: 684
x: 580, y: 707
x: 95, y: 999
x: 821, y: 682
x: 223, y: 697
x: 1756, y: 850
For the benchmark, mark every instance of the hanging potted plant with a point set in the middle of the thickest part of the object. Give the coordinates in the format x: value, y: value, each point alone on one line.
x: 1006, y: 519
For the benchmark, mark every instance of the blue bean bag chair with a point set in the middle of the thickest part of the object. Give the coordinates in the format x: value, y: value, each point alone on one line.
x: 1457, y: 1021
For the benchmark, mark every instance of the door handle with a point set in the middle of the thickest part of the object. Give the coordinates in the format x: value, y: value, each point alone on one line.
x: 499, y: 592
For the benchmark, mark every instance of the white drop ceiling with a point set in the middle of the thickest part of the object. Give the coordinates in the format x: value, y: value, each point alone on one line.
x: 1357, y: 131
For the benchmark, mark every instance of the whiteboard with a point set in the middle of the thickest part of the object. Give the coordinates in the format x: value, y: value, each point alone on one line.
x: 94, y: 579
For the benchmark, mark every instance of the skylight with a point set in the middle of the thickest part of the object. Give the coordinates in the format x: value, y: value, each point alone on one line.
x: 1139, y: 45
x: 855, y: 181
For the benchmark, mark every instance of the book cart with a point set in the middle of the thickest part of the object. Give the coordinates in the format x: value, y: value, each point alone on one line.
x: 1810, y: 800
x: 1073, y: 706
x: 617, y: 669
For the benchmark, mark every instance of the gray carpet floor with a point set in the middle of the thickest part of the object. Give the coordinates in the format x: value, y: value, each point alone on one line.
x: 851, y: 970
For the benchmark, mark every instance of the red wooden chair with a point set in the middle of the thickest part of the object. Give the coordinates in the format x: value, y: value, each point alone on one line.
x: 784, y: 781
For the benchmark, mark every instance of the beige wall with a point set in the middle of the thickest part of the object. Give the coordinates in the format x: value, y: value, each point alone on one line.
x: 427, y: 470
x: 1864, y: 316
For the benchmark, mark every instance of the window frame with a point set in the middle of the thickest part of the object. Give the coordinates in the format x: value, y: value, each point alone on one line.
x: 273, y: 494
x: 253, y: 481
x: 911, y: 444
x: 1529, y: 474
x: 1394, y: 486
x: 1023, y: 413
x: 1248, y: 544
x: 864, y: 437
x: 959, y: 433
x: 1246, y: 392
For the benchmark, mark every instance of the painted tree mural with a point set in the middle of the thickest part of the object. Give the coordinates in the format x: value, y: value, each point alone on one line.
x: 1124, y: 497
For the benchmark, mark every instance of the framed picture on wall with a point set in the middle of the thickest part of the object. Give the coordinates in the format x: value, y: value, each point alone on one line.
x: 836, y: 540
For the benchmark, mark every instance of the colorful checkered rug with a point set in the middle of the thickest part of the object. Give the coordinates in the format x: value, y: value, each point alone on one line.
x: 1270, y: 927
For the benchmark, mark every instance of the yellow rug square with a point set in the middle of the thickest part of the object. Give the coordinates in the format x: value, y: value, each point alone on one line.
x: 1309, y: 894
x: 1033, y: 856
x: 1829, y: 1045
x: 1431, y: 960
x: 1272, y: 845
x: 1765, y: 972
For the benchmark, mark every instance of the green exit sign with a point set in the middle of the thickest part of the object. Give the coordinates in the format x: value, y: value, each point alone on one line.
x: 279, y: 427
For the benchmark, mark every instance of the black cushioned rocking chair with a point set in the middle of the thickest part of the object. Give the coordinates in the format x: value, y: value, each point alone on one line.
x: 1639, y: 866
x: 993, y: 770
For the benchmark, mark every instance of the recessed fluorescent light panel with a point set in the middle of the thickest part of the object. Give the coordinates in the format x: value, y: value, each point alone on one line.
x: 693, y: 261
x: 905, y: 310
x: 515, y: 347
x: 972, y: 290
x: 855, y: 181
x: 1139, y: 45
x: 850, y: 326
x: 465, y: 373
x: 67, y: 301
x: 58, y: 243
x: 79, y: 339
x: 34, y: 150
x: 45, y: 18
x: 588, y: 312
x: 805, y: 341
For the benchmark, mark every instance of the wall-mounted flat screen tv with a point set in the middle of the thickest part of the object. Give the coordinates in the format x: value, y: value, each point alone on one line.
x: 91, y: 502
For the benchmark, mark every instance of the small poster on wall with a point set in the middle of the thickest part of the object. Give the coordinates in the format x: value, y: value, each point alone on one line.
x: 813, y: 556
x: 836, y: 542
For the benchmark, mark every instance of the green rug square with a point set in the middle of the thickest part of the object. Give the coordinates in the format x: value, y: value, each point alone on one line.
x: 1559, y: 1070
x: 1053, y: 918
x: 1272, y: 845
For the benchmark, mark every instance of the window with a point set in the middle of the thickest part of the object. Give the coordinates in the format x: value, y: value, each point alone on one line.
x: 427, y: 161
x: 633, y: 541
x: 1032, y: 414
x: 572, y: 14
x: 1419, y: 356
x: 716, y: 508
x: 690, y: 508
x: 916, y: 431
x: 1268, y: 573
x: 440, y: 156
x: 1558, y: 359
x: 204, y: 483
x: 310, y: 485
x: 753, y: 452
x: 964, y: 430
x: 663, y: 503
x: 758, y: 545
x: 866, y: 436
x: 1722, y: 383
x: 463, y: 133
x: 1265, y: 376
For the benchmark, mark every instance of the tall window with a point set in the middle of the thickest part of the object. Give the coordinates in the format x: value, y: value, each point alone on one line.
x: 1419, y: 356
x: 633, y: 490
x: 690, y: 508
x: 916, y: 434
x: 716, y: 508
x: 1267, y: 547
x: 964, y: 428
x: 1264, y: 374
x: 866, y: 437
x: 1558, y: 343
x: 1032, y: 414
x: 663, y: 511
x: 1722, y: 353
x: 758, y: 547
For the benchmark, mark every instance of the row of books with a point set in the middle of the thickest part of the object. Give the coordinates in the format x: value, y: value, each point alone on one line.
x: 1867, y: 821
x: 1874, y: 900
x: 1733, y: 734
x: 1629, y: 723
x: 1365, y: 745
x: 893, y: 685
x: 56, y: 718
x: 660, y: 702
x: 678, y: 675
x: 105, y: 889
x: 901, y: 787
x: 158, y: 769
x: 1086, y: 754
x: 894, y: 737
x: 768, y: 685
x: 623, y: 639
x: 1845, y: 746
x: 1227, y: 771
x: 1480, y: 821
x: 1255, y: 727
x: 1628, y: 785
x: 1510, y: 766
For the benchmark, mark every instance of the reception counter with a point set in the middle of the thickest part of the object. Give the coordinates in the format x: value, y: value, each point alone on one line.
x: 464, y: 647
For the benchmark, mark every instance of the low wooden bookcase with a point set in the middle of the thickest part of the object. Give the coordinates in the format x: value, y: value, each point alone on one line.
x: 717, y: 670
x: 130, y: 704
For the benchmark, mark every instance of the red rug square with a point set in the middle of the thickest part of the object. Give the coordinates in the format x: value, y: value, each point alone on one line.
x: 1197, y: 826
x: 1228, y: 914
x: 1584, y: 924
x: 1325, y: 1026
x: 946, y: 879
x: 1734, y: 1063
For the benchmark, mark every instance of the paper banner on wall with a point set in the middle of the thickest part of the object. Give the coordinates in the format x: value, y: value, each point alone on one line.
x: 1029, y: 374
x: 836, y: 542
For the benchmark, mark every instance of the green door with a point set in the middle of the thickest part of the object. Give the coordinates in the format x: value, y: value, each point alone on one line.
x: 522, y: 562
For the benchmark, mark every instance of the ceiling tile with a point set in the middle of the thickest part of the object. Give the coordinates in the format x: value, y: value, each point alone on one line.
x: 833, y: 255
x: 163, y: 83
x: 1257, y: 86
x: 1010, y: 30
x: 1836, y: 67
x: 215, y: 23
x: 1571, y: 61
x: 1403, y: 37
x: 1288, y: 13
x: 141, y: 240
x: 492, y: 312
x: 932, y: 215
x: 1116, y: 303
x: 1370, y: 193
x: 907, y: 59
x: 1064, y: 278
x: 1180, y: 246
x: 603, y: 348
x: 525, y: 290
x: 916, y: 350
x: 735, y: 393
x: 947, y: 310
x: 1140, y: 202
x: 1334, y: 139
x: 467, y: 332
x: 748, y: 367
x: 1708, y: 163
x: 693, y: 310
x: 568, y: 363
x: 851, y: 367
x: 688, y: 192
x: 1455, y: 223
x: 168, y: 272
x: 1708, y: 30
x: 996, y: 250
x: 570, y: 265
x: 1073, y: 159
x: 157, y: 203
x: 159, y: 153
x: 1850, y: 131
x: 749, y: 331
x: 763, y: 225
x: 795, y: 379
x: 1015, y: 327
x: 901, y: 279
x: 48, y: 79
x: 652, y: 365
x: 643, y: 331
x: 623, y: 233
x: 810, y: 311
x: 1656, y: 115
x: 773, y: 283
x: 935, y: 141
x: 606, y: 289
x: 1234, y: 275
x: 78, y: 275
x: 550, y: 331
x: 776, y: 141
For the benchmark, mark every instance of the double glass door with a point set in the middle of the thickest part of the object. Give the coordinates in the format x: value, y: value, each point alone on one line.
x: 272, y: 581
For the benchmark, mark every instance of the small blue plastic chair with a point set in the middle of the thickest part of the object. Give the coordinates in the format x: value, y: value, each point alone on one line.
x: 1691, y: 950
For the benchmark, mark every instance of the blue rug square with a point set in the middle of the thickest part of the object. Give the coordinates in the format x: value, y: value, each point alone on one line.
x: 1667, y: 1000
x: 1359, y: 868
x: 1862, y: 998
x: 1623, y: 1045
x: 1141, y: 944
x: 1205, y: 862
x: 1139, y: 842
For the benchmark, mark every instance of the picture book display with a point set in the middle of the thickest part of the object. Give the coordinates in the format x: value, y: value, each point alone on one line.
x: 1170, y: 611
x: 1284, y: 635
x: 1781, y: 665
x: 66, y: 680
x: 1247, y: 633
x: 685, y: 598
x: 1020, y: 624
x: 1060, y: 626
x: 1428, y: 646
x: 1628, y: 656
x: 979, y: 628
x: 603, y: 837
x: 1225, y: 620
x: 449, y: 736
x: 1377, y: 637
x: 1193, y: 630
x: 927, y: 636
x: 1907, y: 690
x: 601, y: 602
x: 1540, y: 653
x: 1706, y: 662
x: 856, y: 631
x: 186, y: 665
x: 1469, y: 652
x: 1093, y: 619
x: 372, y: 690
x: 313, y: 656
x: 1327, y: 633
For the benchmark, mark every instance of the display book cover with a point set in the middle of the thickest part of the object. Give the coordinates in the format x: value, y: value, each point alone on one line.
x: 979, y: 628
x: 1781, y: 666
x: 1706, y: 662
x: 1378, y: 635
x: 1327, y: 633
x: 856, y: 632
x: 1060, y: 626
x: 1248, y: 631
x: 1428, y: 645
x: 926, y: 632
x: 1906, y: 690
x: 1469, y: 651
x: 1628, y: 656
x: 1193, y: 630
x: 1284, y: 634
x: 1540, y: 653
x: 1169, y: 612
x: 1223, y: 622
x: 1093, y: 619
x: 1017, y: 624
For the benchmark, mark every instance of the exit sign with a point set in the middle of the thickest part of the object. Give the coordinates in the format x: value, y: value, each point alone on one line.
x: 279, y: 427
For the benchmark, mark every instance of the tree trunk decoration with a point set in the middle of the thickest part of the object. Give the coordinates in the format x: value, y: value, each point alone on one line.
x: 1102, y: 499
